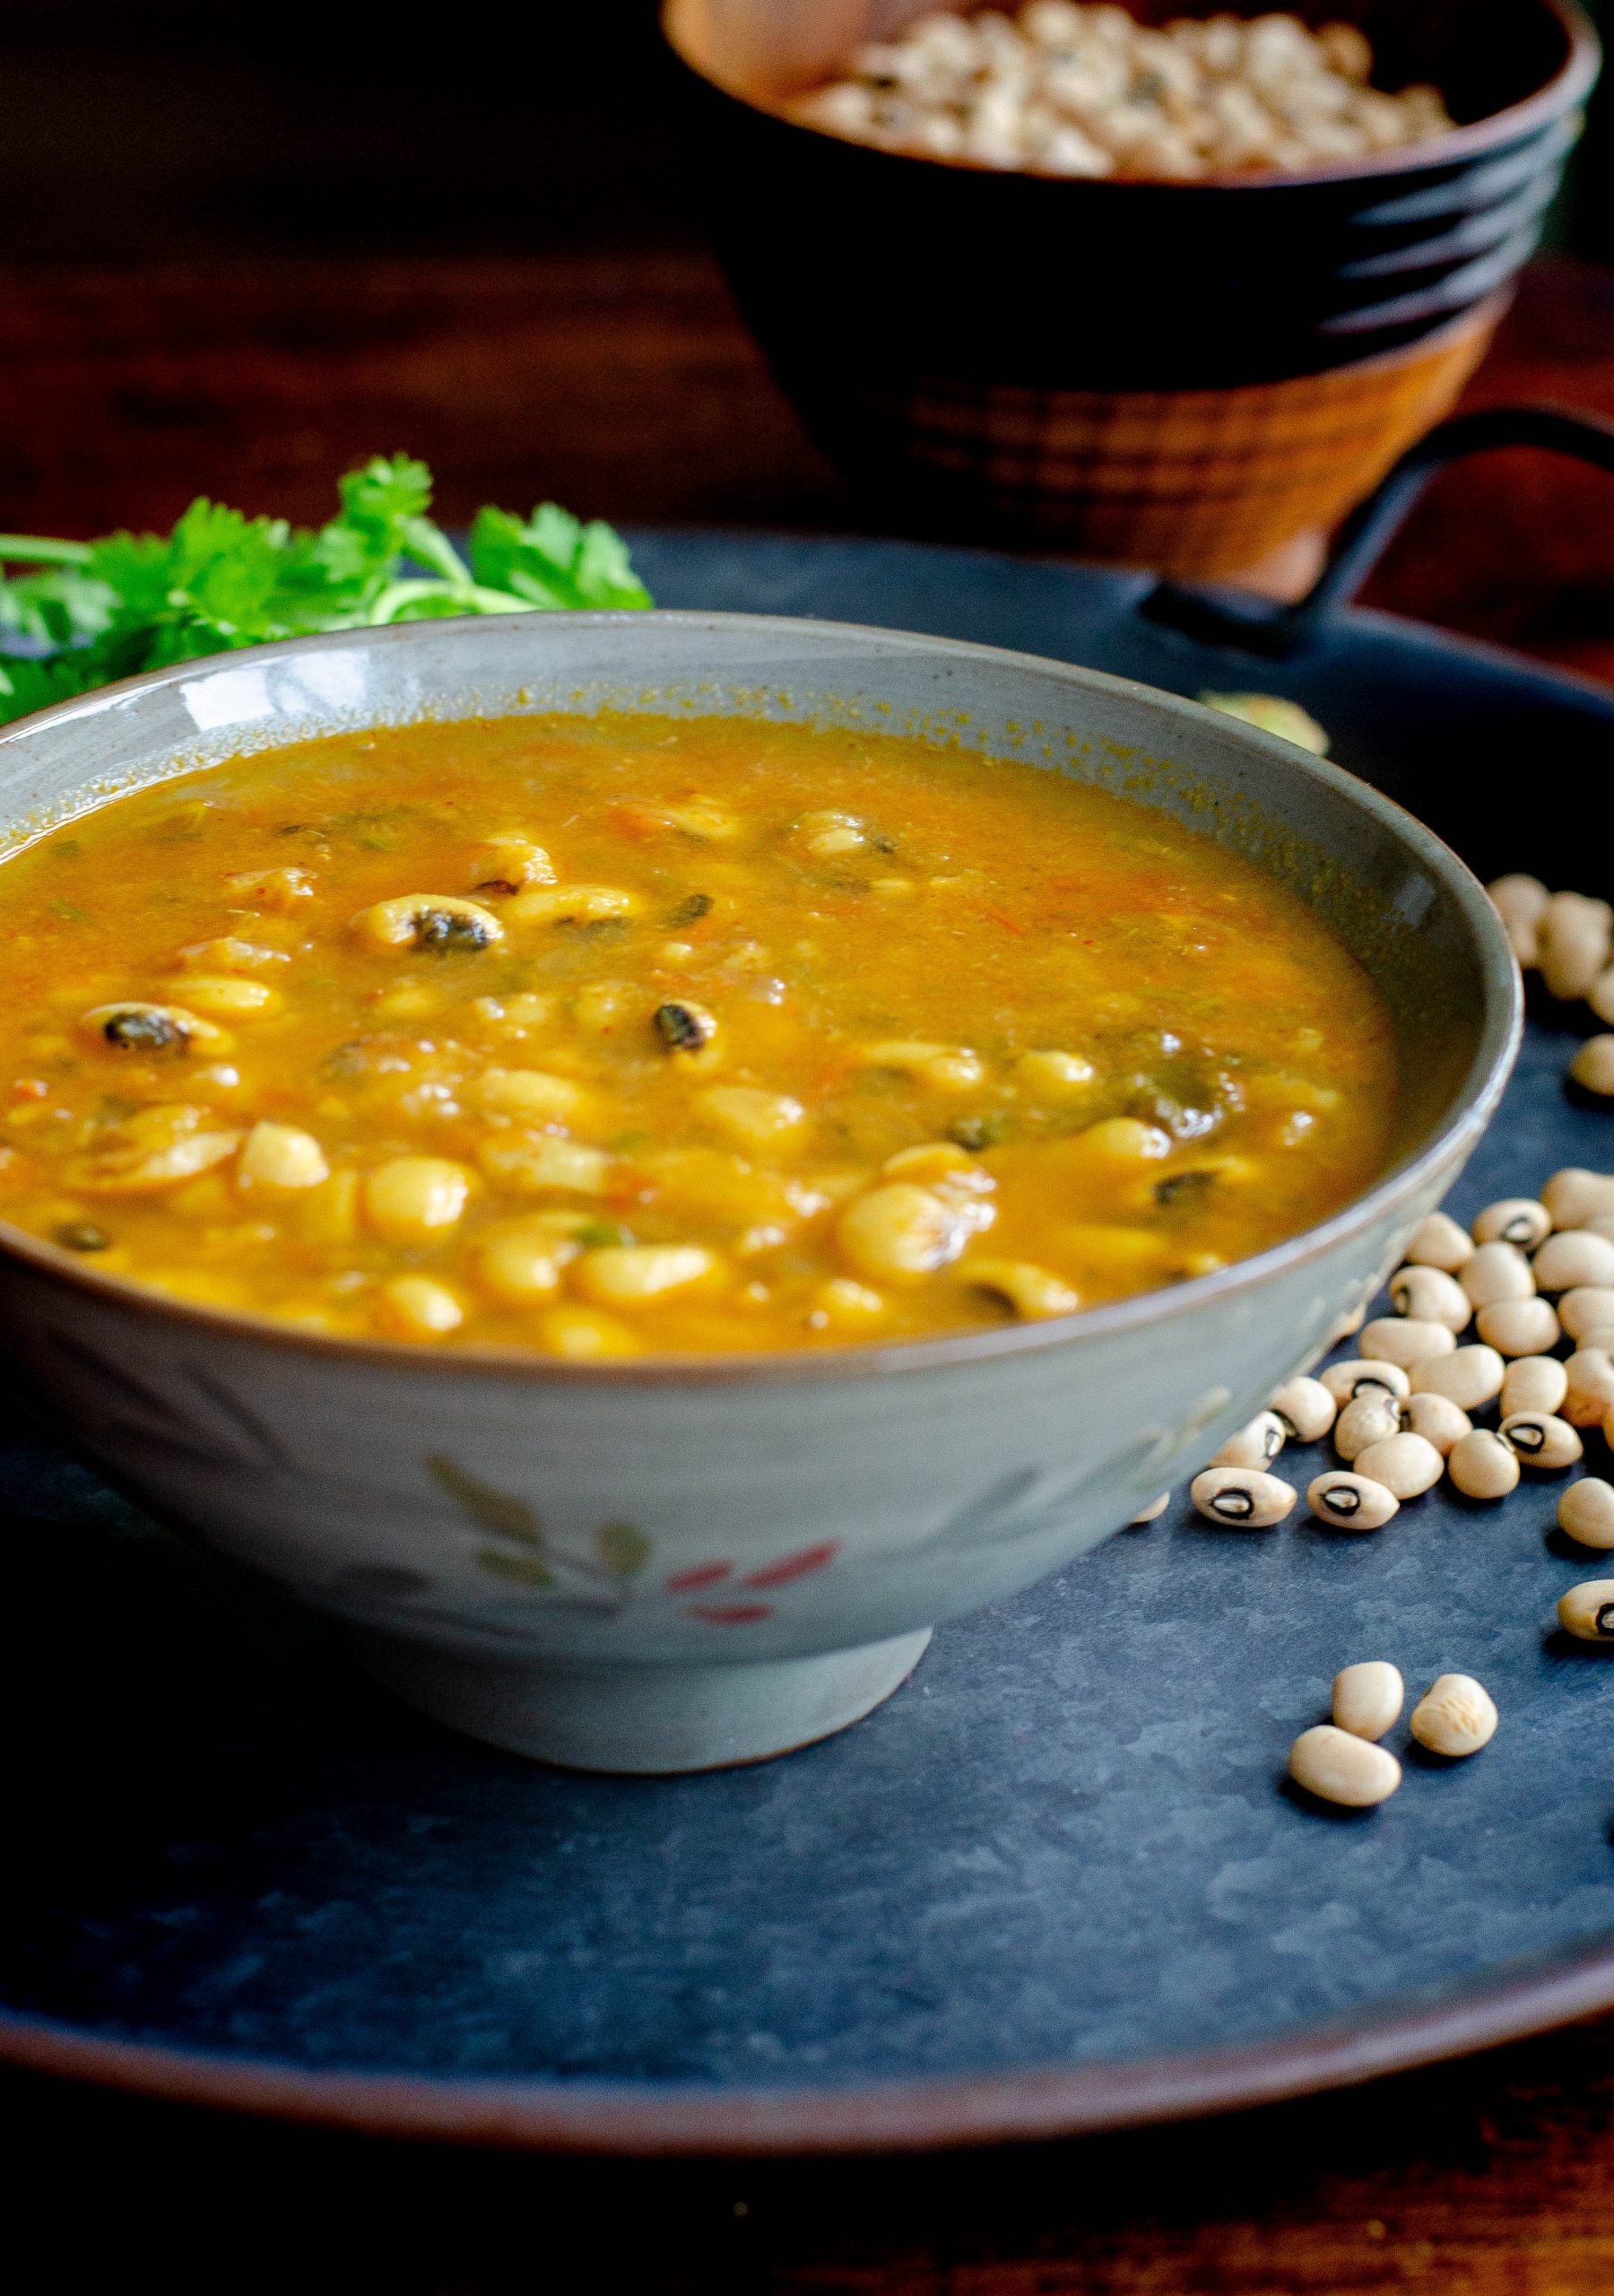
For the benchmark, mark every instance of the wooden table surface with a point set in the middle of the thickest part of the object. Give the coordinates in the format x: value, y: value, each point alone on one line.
x: 626, y: 387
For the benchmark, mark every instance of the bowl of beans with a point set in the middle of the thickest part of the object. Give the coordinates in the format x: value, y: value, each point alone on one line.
x: 1165, y: 287
x: 641, y: 1161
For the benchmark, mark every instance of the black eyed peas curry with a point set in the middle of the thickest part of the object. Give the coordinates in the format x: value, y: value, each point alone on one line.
x: 599, y: 1037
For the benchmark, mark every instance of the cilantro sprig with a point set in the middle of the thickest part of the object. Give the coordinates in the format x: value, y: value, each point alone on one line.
x: 83, y: 613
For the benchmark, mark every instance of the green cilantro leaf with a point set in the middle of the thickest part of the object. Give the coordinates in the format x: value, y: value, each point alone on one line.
x: 82, y: 614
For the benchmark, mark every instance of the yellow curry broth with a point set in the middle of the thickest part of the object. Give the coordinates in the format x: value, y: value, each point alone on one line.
x: 600, y: 1036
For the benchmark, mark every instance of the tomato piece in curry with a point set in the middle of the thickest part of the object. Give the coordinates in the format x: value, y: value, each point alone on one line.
x: 603, y: 1036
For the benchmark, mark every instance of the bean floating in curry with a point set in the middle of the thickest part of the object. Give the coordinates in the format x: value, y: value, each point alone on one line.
x: 596, y: 1036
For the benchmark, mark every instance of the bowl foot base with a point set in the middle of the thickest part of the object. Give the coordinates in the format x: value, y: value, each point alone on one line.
x: 646, y: 1720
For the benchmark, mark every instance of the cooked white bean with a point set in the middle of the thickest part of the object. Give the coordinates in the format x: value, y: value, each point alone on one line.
x: 1541, y: 1440
x: 1345, y: 1381
x: 1575, y: 1196
x: 1152, y: 1512
x: 1483, y: 1467
x: 1404, y: 1340
x: 1588, y: 1387
x: 1592, y: 1066
x: 1242, y: 1496
x: 1587, y: 1310
x: 1367, y: 1698
x: 1351, y: 1502
x: 1305, y: 1408
x: 1574, y: 1256
x: 1437, y: 1419
x: 1534, y: 1383
x: 1407, y: 1465
x: 1471, y: 1377
x: 1572, y: 934
x: 1371, y: 1417
x: 1497, y: 1272
x: 1519, y: 1326
x: 1337, y: 1767
x: 1587, y: 1610
x: 1438, y: 1241
x: 1519, y: 1219
x: 1429, y: 1295
x: 1256, y: 1445
x: 1518, y: 898
x: 1586, y: 1511
x: 1455, y: 1715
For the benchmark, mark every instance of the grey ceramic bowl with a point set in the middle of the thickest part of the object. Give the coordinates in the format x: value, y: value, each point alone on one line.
x: 804, y: 1520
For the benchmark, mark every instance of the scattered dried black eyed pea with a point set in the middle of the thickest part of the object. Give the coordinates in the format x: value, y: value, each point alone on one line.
x: 1542, y: 1440
x: 1368, y: 1698
x: 1151, y: 1513
x: 1519, y: 1219
x: 1483, y: 1467
x: 1534, y: 1383
x: 1346, y: 1381
x: 1587, y: 1610
x: 1429, y: 1295
x: 1471, y: 1378
x: 1398, y: 1339
x: 1371, y: 1417
x: 1586, y: 1308
x: 1305, y: 1408
x: 1242, y: 1496
x: 1437, y: 1419
x: 1592, y: 1066
x: 1455, y: 1717
x: 1575, y: 1196
x: 1571, y: 942
x: 1519, y: 1326
x: 1439, y: 1242
x: 1573, y: 1257
x: 1588, y: 1395
x: 1586, y: 1511
x: 1520, y: 902
x: 1351, y: 1502
x: 1256, y: 1445
x: 1496, y: 1272
x: 1337, y: 1767
x: 1407, y: 1465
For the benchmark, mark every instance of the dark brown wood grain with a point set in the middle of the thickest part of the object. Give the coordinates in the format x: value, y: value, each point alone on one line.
x: 627, y: 387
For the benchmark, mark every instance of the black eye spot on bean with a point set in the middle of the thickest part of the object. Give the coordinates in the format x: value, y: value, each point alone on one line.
x: 1526, y: 1435
x: 696, y: 905
x: 81, y: 1236
x: 974, y: 1132
x: 498, y: 888
x: 145, y: 1032
x: 1341, y: 1499
x: 682, y: 1029
x: 347, y: 1060
x: 883, y: 844
x: 1604, y: 1620
x: 1183, y: 1188
x: 593, y: 928
x: 1235, y: 1506
x: 443, y: 930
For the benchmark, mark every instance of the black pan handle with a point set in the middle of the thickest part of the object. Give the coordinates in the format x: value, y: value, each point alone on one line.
x: 1257, y: 626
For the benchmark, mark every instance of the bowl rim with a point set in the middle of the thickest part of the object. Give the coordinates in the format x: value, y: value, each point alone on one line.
x: 1571, y: 81
x: 1472, y: 1106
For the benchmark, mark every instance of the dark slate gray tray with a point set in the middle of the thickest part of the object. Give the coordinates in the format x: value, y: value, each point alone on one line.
x: 1056, y: 1882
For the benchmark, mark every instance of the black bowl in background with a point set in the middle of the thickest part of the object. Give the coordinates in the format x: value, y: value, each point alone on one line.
x: 839, y: 252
